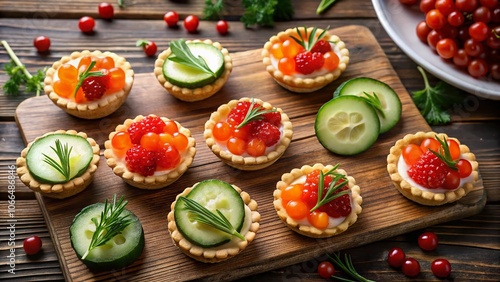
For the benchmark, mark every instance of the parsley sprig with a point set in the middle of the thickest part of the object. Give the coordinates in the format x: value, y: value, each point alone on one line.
x: 348, y: 267
x: 205, y: 216
x: 339, y: 180
x: 109, y: 224
x: 254, y: 113
x: 20, y: 76
x: 62, y: 165
x: 182, y: 54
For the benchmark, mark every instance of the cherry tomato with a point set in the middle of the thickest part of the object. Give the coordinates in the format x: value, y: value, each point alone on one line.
x: 191, y: 23
x: 32, y: 245
x: 297, y: 209
x: 426, y: 5
x: 461, y: 58
x: 326, y: 269
x: 149, y: 47
x: 396, y: 257
x: 41, y: 43
x: 106, y: 10
x: 445, y: 6
x: 428, y: 241
x: 411, y: 154
x: 430, y: 143
x: 435, y: 19
x: 455, y: 18
x: 171, y: 18
x: 478, y: 68
x: 86, y: 24
x: 408, y: 2
x: 222, y: 27
x: 467, y: 5
x: 410, y: 267
x: 464, y: 168
x: 454, y: 149
x: 479, y: 31
x: 441, y: 268
x: 446, y: 48
x: 423, y: 31
x: 151, y: 141
x: 452, y: 180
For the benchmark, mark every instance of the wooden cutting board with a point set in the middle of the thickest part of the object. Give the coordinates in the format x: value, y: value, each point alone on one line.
x: 385, y: 212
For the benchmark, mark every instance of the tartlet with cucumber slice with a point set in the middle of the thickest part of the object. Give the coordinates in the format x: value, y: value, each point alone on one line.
x: 89, y: 85
x: 318, y: 201
x: 305, y: 59
x: 59, y: 164
x: 213, y: 221
x: 150, y: 152
x: 248, y: 134
x: 193, y: 70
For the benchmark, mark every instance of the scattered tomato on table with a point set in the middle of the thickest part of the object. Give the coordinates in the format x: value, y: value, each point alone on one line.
x: 32, y: 245
x: 222, y: 27
x: 191, y: 23
x: 410, y: 267
x: 428, y: 241
x: 171, y: 18
x: 86, y: 24
x: 149, y: 47
x: 106, y: 10
x: 41, y: 43
x: 441, y: 268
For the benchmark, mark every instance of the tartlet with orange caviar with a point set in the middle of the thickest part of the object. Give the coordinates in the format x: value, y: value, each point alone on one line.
x: 303, y: 209
x: 305, y: 59
x: 150, y: 152
x: 193, y: 70
x: 431, y: 168
x: 59, y: 164
x: 89, y: 85
x: 248, y: 134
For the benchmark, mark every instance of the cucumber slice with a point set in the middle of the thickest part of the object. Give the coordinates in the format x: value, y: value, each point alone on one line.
x: 212, y: 194
x: 80, y: 157
x: 117, y: 253
x: 347, y: 125
x: 189, y: 77
x: 389, y: 99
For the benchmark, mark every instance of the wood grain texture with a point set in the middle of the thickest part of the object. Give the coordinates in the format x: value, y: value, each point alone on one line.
x: 385, y: 212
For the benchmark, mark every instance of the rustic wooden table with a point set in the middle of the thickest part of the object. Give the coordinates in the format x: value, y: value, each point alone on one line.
x: 471, y: 244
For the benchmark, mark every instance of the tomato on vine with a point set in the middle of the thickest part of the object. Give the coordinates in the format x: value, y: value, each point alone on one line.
x: 41, y: 43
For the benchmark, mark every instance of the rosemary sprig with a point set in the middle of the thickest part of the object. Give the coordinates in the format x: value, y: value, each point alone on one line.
x: 86, y: 74
x: 205, y: 216
x: 63, y: 153
x: 329, y: 196
x: 347, y: 267
x: 323, y: 5
x: 374, y: 100
x: 308, y: 41
x: 445, y: 154
x: 183, y: 55
x: 109, y: 224
x: 254, y: 113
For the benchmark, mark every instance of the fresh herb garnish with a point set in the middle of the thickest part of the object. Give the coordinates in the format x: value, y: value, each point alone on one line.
x: 444, y: 154
x: 308, y: 41
x: 254, y: 113
x: 434, y: 102
x: 213, y: 9
x: 205, y: 216
x: 86, y: 74
x: 109, y: 224
x: 374, y: 100
x: 347, y: 267
x: 323, y: 5
x: 339, y: 180
x: 20, y: 76
x: 63, y: 153
x: 182, y: 54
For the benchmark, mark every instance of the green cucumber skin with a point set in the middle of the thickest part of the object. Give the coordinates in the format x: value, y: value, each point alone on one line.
x: 118, y: 263
x: 356, y: 86
x: 345, y: 102
x: 33, y: 166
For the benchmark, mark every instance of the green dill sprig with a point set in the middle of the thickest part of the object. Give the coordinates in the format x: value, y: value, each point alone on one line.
x: 183, y: 55
x: 254, y: 113
x: 109, y: 224
x: 374, y: 100
x: 63, y: 153
x: 205, y: 216
x: 348, y: 267
x: 86, y: 74
x: 339, y: 180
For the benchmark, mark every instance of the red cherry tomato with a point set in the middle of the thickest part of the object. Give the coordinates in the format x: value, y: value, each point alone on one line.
x: 411, y: 267
x: 464, y: 168
x: 222, y: 27
x: 149, y: 47
x: 86, y: 24
x: 106, y: 10
x: 32, y: 245
x: 326, y: 269
x: 441, y: 268
x: 41, y: 43
x: 408, y: 2
x: 452, y: 180
x: 396, y: 257
x: 171, y: 18
x: 191, y: 23
x: 428, y: 241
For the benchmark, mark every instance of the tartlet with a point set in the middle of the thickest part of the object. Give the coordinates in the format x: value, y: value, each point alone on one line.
x: 300, y: 83
x: 159, y: 179
x: 222, y: 252
x: 302, y: 226
x: 245, y: 161
x: 94, y: 109
x: 414, y: 192
x: 198, y: 93
x: 59, y: 190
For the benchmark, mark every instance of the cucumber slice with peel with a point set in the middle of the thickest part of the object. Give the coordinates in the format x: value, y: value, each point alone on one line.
x: 189, y: 77
x: 347, y: 125
x: 120, y: 251
x: 214, y: 195
x: 79, y: 158
x: 389, y: 100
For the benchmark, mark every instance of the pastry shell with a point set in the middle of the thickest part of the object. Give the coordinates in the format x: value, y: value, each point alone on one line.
x: 215, y: 254
x: 247, y: 162
x: 194, y: 94
x: 307, y: 230
x: 61, y: 190
x: 301, y: 84
x: 137, y: 180
x: 102, y: 107
x: 428, y: 197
